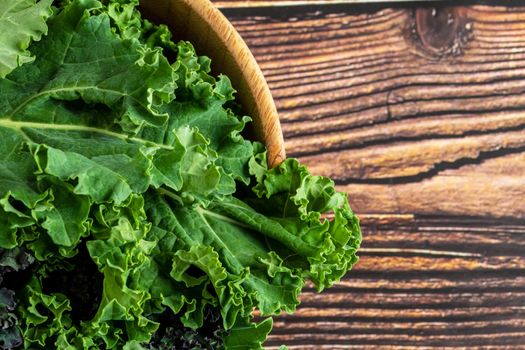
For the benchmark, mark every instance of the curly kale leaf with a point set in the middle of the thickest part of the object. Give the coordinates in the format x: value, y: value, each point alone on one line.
x: 116, y: 159
x: 25, y: 21
x: 10, y: 337
x: 12, y: 263
x: 172, y: 334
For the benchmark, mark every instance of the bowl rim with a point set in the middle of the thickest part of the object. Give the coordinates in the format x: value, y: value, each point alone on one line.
x: 188, y: 20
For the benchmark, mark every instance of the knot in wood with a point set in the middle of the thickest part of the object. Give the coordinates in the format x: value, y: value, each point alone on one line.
x: 440, y: 31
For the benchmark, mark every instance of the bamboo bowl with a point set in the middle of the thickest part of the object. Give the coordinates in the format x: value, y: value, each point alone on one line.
x: 199, y: 22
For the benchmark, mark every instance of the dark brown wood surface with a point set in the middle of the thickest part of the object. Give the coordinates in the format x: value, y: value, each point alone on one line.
x: 267, y: 3
x: 419, y: 115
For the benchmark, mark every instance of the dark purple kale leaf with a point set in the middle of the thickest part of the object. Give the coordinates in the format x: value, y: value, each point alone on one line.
x: 13, y: 266
x: 173, y: 335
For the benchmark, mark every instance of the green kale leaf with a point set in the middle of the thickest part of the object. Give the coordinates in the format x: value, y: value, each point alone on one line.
x: 127, y: 173
x: 22, y: 21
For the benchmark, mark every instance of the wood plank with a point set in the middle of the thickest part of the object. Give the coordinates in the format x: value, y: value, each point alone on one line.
x: 475, y: 187
x: 412, y: 128
x: 373, y: 347
x: 474, y: 341
x: 401, y: 294
x: 225, y: 4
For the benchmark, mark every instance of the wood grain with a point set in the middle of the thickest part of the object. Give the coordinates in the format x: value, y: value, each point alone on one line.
x: 268, y: 3
x: 421, y: 282
x: 411, y: 130
x: 424, y: 128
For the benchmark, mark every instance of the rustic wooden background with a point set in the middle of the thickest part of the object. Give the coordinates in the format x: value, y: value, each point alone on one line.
x: 419, y: 115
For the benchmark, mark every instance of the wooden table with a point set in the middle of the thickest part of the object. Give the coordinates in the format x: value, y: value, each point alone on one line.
x: 419, y: 115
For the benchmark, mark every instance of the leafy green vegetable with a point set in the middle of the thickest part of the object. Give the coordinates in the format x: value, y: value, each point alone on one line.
x: 21, y: 21
x: 172, y: 334
x: 127, y: 177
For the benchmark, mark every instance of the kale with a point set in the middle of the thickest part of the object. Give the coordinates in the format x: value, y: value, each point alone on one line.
x: 173, y: 335
x: 125, y: 174
x: 81, y: 282
x: 13, y: 262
